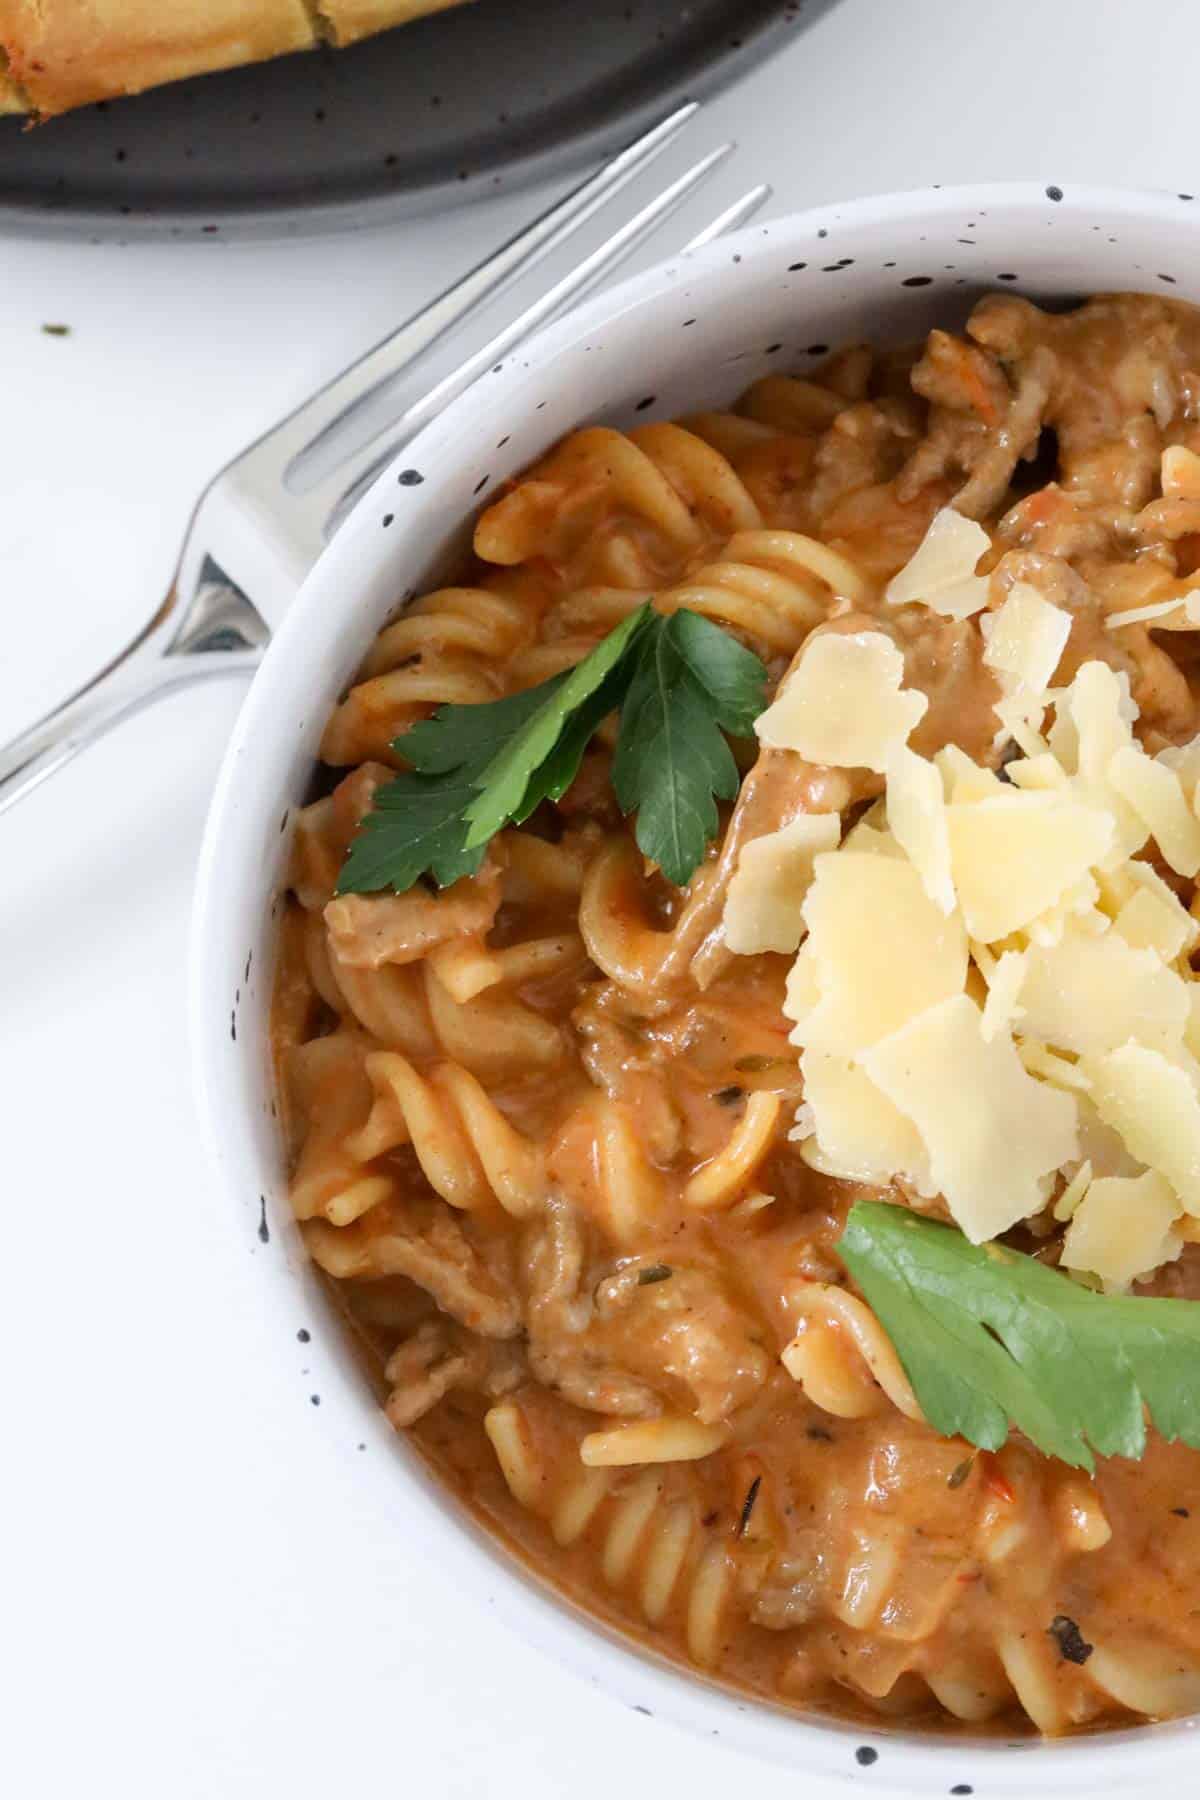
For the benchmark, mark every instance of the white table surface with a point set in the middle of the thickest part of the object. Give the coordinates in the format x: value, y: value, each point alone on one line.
x: 188, y: 1607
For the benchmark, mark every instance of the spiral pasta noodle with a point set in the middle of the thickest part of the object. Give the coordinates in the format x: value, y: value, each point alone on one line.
x: 650, y: 1538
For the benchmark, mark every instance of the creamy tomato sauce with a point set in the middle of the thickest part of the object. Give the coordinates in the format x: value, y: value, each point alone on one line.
x: 538, y: 1120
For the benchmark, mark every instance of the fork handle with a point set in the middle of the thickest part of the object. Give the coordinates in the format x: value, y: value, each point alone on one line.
x: 123, y: 689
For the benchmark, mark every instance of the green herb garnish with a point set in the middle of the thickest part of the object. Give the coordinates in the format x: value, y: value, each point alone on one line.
x: 655, y: 1272
x: 989, y: 1337
x: 693, y: 682
x: 678, y: 683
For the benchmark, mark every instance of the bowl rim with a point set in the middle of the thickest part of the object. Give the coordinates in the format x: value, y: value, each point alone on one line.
x: 904, y: 1760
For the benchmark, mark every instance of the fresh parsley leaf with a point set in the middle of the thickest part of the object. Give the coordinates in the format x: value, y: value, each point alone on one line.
x: 418, y: 821
x: 732, y: 677
x: 506, y: 779
x: 552, y: 778
x: 458, y: 737
x: 672, y: 762
x: 679, y: 683
x: 416, y: 824
x: 989, y: 1337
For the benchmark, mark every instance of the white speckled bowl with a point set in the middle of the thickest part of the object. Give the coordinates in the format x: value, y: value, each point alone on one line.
x: 689, y: 334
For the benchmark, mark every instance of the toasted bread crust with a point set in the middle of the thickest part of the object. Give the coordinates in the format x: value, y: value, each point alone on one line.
x: 57, y: 54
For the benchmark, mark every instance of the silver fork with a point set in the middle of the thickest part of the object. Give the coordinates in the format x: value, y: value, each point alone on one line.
x: 262, y: 521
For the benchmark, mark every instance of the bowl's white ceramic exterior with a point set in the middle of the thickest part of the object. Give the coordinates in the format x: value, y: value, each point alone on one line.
x: 690, y: 334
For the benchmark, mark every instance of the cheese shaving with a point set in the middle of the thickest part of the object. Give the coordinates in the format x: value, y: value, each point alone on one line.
x: 1092, y: 723
x: 1154, y: 1108
x: 1154, y: 921
x: 859, y: 1133
x: 765, y: 897
x: 1001, y: 1010
x: 879, y: 952
x: 1015, y: 854
x: 963, y: 779
x: 1090, y: 994
x: 844, y: 704
x: 1067, y: 1203
x: 992, y: 1132
x: 1155, y: 794
x: 941, y: 571
x: 1121, y: 1228
x: 916, y: 810
x: 1023, y: 644
x: 1143, y: 615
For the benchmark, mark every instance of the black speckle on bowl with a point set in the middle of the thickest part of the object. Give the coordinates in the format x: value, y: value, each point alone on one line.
x: 304, y: 1336
x: 1169, y: 279
x: 1054, y: 193
x: 962, y: 1787
x: 917, y: 281
x: 793, y: 267
x: 1007, y: 277
x: 645, y: 1711
x: 817, y: 350
x: 410, y: 478
x: 264, y: 1230
x: 314, y: 1399
x: 387, y: 519
x: 480, y: 485
x: 647, y: 401
x: 865, y: 1755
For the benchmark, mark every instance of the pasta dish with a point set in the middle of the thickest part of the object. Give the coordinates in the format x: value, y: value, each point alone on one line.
x: 740, y: 1054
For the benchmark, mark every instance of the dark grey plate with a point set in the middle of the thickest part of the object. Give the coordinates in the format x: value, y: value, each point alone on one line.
x: 447, y: 109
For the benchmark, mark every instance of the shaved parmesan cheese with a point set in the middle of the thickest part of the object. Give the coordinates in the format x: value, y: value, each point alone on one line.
x: 1055, y: 1069
x: 1180, y: 473
x: 1093, y: 720
x: 1155, y: 793
x: 844, y: 704
x: 1121, y: 1229
x: 1154, y: 1107
x: 916, y: 807
x: 963, y: 779
x: 1076, y: 910
x: 1067, y: 1203
x: 1143, y: 615
x: 859, y: 1132
x: 871, y: 841
x: 1038, y: 774
x: 762, y: 906
x: 1015, y: 854
x: 1092, y: 994
x: 992, y: 1132
x: 1004, y: 988
x: 880, y: 950
x: 1024, y: 641
x: 1100, y: 1144
x: 1157, y: 922
x: 941, y: 571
